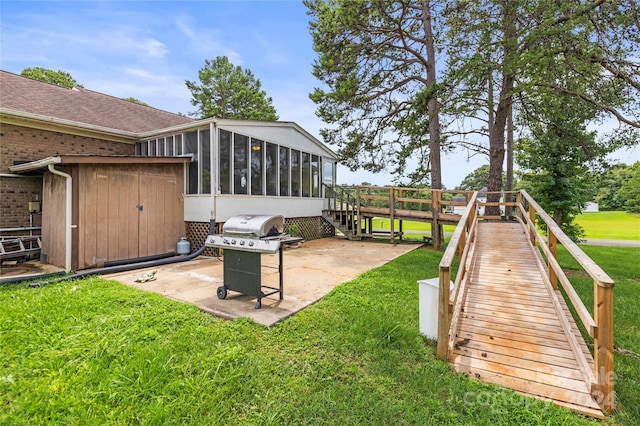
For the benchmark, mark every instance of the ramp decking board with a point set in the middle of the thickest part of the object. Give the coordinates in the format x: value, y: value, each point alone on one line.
x: 509, y: 332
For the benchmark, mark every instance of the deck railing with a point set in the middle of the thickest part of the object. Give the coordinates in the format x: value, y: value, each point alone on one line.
x: 343, y: 204
x: 460, y: 243
x: 599, y: 327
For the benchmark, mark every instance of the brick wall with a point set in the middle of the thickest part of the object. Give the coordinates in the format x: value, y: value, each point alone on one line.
x: 25, y: 144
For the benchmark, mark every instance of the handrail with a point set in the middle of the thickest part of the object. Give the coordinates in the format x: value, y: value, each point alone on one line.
x: 600, y: 327
x: 589, y: 265
x: 344, y: 205
x: 464, y: 233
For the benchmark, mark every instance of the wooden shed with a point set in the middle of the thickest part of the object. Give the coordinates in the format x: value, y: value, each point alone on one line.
x: 120, y: 208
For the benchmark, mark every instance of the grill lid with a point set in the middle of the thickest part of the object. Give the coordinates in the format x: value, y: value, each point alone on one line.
x: 256, y: 226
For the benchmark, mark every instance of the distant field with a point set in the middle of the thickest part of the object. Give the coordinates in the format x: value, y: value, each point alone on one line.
x: 610, y: 225
x: 601, y: 225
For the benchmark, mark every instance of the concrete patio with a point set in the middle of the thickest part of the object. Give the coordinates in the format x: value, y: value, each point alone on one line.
x: 310, y: 272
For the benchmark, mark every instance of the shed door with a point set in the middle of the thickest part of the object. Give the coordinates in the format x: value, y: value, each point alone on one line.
x: 160, y: 206
x: 128, y: 211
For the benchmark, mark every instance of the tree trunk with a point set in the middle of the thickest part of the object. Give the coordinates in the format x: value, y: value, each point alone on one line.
x: 434, y: 120
x: 557, y: 217
x: 497, y: 133
x: 509, y: 185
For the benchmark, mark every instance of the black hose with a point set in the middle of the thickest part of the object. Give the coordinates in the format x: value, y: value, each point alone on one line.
x: 139, y: 259
x: 120, y: 268
x: 30, y: 277
x: 123, y: 268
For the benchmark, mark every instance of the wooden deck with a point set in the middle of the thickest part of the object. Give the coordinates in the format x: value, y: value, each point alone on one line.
x: 409, y: 215
x: 510, y: 329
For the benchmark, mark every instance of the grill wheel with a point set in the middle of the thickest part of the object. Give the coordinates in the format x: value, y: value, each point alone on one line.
x: 222, y: 292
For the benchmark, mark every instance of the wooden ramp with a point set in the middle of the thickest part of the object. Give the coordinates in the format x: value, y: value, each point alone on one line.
x: 510, y: 329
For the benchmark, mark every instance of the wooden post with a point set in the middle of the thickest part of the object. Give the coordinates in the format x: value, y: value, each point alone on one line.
x: 552, y: 244
x: 461, y: 243
x: 392, y: 215
x: 356, y: 214
x: 401, y: 207
x: 518, y: 202
x: 532, y: 227
x: 435, y: 229
x: 442, y: 350
x: 603, y: 345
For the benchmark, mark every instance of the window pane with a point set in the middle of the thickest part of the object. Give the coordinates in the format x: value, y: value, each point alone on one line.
x: 191, y: 147
x: 271, y: 166
x: 295, y: 173
x: 306, y: 174
x: 138, y: 148
x: 257, y: 148
x: 178, y: 144
x: 240, y: 154
x: 315, y: 176
x: 284, y: 171
x: 170, y: 146
x: 327, y: 172
x: 205, y: 155
x: 160, y: 147
x: 224, y: 165
x: 152, y: 148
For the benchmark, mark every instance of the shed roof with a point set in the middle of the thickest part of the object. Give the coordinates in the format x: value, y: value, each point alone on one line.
x: 81, y: 105
x: 97, y: 159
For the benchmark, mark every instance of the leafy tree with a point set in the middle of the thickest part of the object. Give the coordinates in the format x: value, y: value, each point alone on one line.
x: 558, y: 155
x: 135, y: 101
x: 477, y: 179
x: 631, y: 189
x: 228, y: 91
x: 377, y: 60
x: 504, y: 54
x: 607, y: 187
x: 60, y: 78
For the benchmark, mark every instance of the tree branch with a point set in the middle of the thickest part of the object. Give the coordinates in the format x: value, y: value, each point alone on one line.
x: 595, y: 103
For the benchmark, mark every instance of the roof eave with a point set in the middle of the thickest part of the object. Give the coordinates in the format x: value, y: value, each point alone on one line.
x: 42, y: 122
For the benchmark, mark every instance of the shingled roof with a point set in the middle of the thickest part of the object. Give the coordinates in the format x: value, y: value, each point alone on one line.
x: 81, y: 105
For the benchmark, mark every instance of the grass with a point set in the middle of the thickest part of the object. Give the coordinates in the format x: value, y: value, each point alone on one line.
x: 95, y: 352
x: 417, y: 227
x: 610, y: 225
x: 623, y: 265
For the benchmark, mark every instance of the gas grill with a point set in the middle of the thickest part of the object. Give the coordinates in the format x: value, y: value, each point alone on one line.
x: 244, y: 238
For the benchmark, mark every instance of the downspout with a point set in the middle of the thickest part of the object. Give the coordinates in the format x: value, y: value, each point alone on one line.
x: 68, y: 226
x: 215, y: 173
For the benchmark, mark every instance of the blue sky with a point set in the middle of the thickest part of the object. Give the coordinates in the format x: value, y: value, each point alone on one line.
x: 148, y: 49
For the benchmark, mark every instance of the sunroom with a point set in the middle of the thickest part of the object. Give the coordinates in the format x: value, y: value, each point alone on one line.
x: 248, y: 167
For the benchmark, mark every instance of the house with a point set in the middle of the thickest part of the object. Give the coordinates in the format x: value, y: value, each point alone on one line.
x: 591, y: 207
x: 108, y: 179
x: 482, y: 199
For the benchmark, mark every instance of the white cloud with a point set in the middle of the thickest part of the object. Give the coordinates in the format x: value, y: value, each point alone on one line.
x: 207, y: 41
x: 144, y: 74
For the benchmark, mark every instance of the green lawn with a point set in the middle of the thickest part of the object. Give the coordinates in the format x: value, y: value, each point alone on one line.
x: 96, y: 352
x: 610, y: 225
x: 623, y: 265
x: 424, y: 227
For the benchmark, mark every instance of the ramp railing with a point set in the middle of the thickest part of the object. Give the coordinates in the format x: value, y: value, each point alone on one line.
x: 600, y: 325
x: 600, y: 378
x: 461, y: 243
